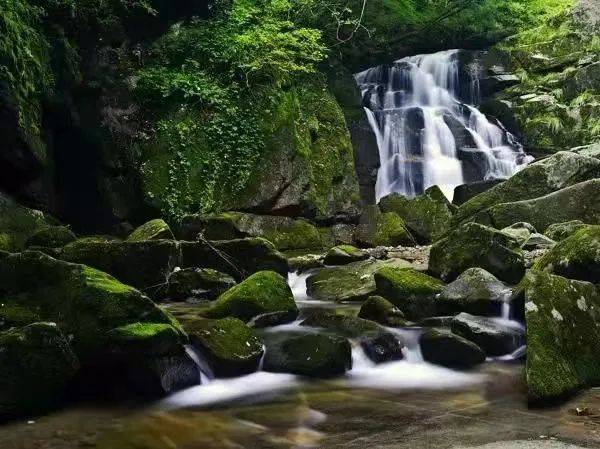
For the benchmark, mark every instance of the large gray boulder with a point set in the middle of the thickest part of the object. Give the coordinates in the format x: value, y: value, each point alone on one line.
x: 492, y: 336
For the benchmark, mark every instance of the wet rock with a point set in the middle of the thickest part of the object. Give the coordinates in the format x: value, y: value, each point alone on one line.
x: 382, y: 348
x: 382, y: 229
x: 263, y: 292
x: 437, y: 321
x: 576, y: 257
x: 475, y: 291
x: 409, y: 290
x: 36, y: 365
x: 231, y: 347
x: 490, y: 335
x: 271, y: 319
x: 352, y: 282
x: 345, y: 325
x: 560, y: 231
x: 474, y: 245
x: 198, y: 283
x: 382, y: 311
x: 520, y: 232
x: 51, y: 237
x: 465, y: 192
x: 562, y: 318
x: 156, y: 229
x: 344, y: 254
x: 311, y: 355
x: 445, y: 348
x: 305, y: 262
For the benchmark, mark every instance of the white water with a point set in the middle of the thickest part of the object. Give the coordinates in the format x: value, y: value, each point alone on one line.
x: 410, y: 105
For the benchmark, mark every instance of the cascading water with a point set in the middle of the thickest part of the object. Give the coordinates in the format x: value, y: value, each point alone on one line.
x: 429, y: 131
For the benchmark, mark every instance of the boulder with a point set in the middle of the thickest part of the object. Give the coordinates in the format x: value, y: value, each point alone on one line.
x: 576, y: 257
x: 491, y: 336
x: 411, y: 291
x: 577, y: 202
x: 445, y: 348
x: 475, y: 291
x: 344, y: 254
x: 198, y: 283
x: 427, y: 216
x: 382, y: 348
x: 563, y: 331
x: 382, y: 229
x: 352, y: 282
x: 382, y: 311
x: 538, y: 241
x: 437, y: 321
x: 231, y: 347
x: 520, y: 232
x: 263, y: 292
x: 51, y: 237
x: 311, y: 355
x: 156, y: 229
x: 36, y: 366
x: 474, y: 245
x: 560, y: 231
x: 344, y: 325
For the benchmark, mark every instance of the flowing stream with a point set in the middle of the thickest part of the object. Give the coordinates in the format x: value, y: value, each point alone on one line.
x: 429, y: 131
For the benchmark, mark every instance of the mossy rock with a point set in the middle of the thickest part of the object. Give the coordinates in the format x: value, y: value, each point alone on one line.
x: 263, y: 292
x: 144, y: 338
x: 563, y: 331
x: 341, y: 324
x: 310, y: 355
x: 493, y: 337
x: 442, y: 347
x: 382, y: 311
x: 51, y: 237
x: 344, y: 254
x: 231, y: 347
x: 427, y: 216
x: 560, y: 231
x: 411, y: 291
x: 156, y: 229
x: 520, y: 232
x: 576, y: 257
x: 36, y: 365
x: 382, y: 229
x: 352, y: 282
x: 474, y: 245
x: 198, y: 283
x: 84, y: 302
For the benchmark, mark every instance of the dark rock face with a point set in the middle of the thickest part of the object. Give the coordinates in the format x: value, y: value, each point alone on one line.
x: 465, y: 192
x: 382, y: 348
x: 382, y: 311
x: 51, y: 237
x: 198, y: 283
x: 344, y: 325
x: 442, y: 347
x: 492, y: 337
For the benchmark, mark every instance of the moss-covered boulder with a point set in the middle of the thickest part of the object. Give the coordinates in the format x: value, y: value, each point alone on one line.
x: 344, y: 254
x: 36, y: 366
x: 310, y: 355
x: 475, y: 291
x: 538, y: 242
x: 84, y: 302
x: 156, y: 229
x: 520, y: 232
x: 577, y: 202
x: 51, y: 237
x: 342, y: 324
x: 560, y: 231
x: 382, y: 229
x: 411, y: 291
x: 427, y: 216
x: 351, y: 282
x: 474, y: 245
x: 576, y: 257
x: 231, y: 347
x: 238, y: 258
x: 442, y: 347
x: 382, y: 311
x: 263, y: 292
x: 493, y: 337
x: 563, y: 331
x: 465, y: 192
x: 204, y: 283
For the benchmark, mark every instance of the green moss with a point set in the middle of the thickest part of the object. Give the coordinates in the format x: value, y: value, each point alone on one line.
x: 145, y: 338
x: 382, y: 311
x: 51, y: 237
x: 382, y: 229
x: 344, y: 254
x: 299, y: 235
x: 342, y: 324
x: 560, y: 231
x: 153, y: 230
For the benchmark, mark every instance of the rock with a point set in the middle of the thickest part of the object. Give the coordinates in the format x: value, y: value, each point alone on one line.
x: 342, y: 233
x: 263, y: 292
x: 198, y: 283
x: 576, y: 257
x: 563, y: 331
x: 475, y: 291
x: 310, y: 355
x: 427, y: 216
x: 344, y: 254
x: 381, y: 229
x: 409, y: 290
x: 235, y: 257
x: 538, y: 241
x: 577, y: 202
x: 345, y: 325
x: 144, y: 265
x: 436, y: 321
x: 494, y: 338
x: 382, y: 348
x: 36, y: 366
x: 520, y: 232
x: 269, y: 319
x: 560, y: 231
x: 474, y: 245
x: 284, y: 232
x: 305, y: 262
x: 84, y: 302
x: 352, y: 282
x: 51, y: 237
x: 465, y: 192
x: 587, y: 16
x: 380, y: 310
x: 156, y: 229
x: 586, y: 78
x: 231, y: 347
x: 442, y: 347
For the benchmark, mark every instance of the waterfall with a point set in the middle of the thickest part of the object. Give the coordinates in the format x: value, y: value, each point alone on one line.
x: 428, y: 129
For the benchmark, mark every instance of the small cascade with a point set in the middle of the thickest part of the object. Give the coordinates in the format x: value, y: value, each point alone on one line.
x: 428, y: 130
x: 206, y: 373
